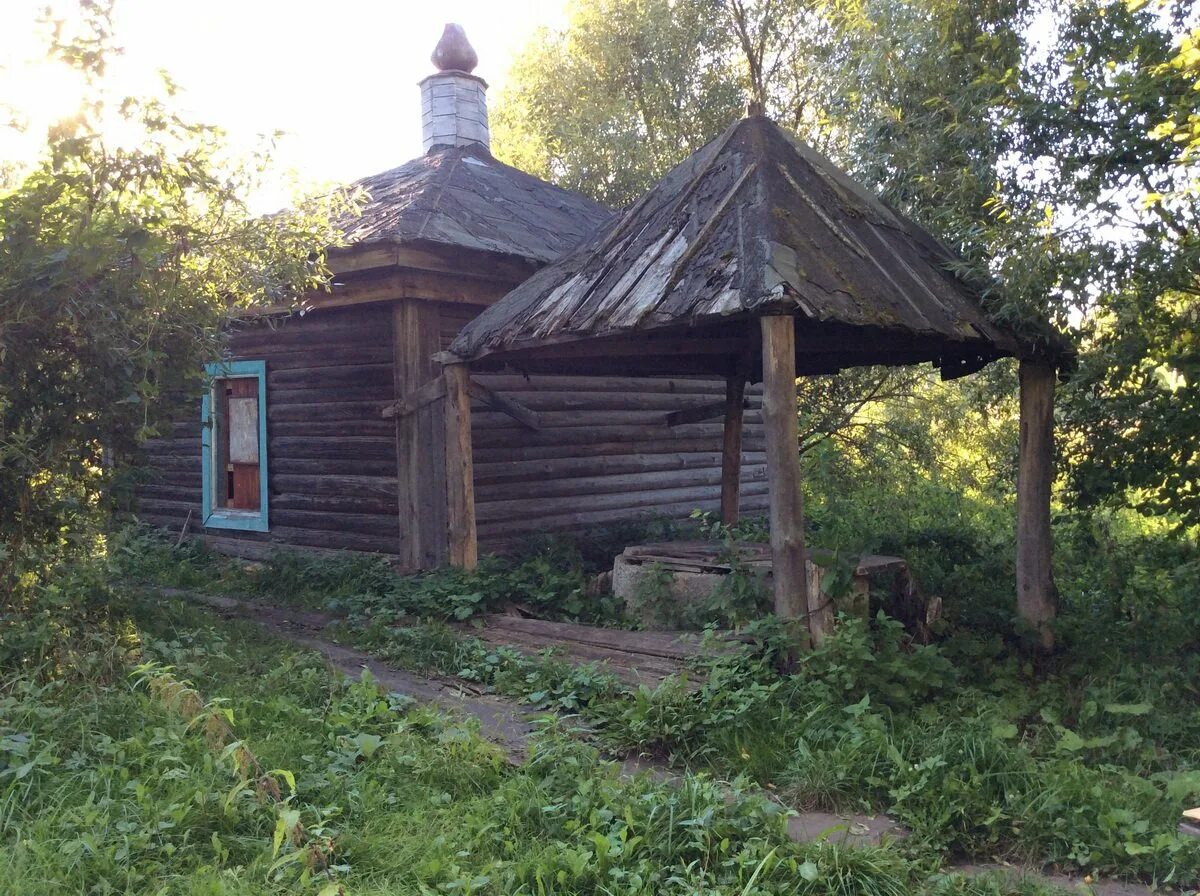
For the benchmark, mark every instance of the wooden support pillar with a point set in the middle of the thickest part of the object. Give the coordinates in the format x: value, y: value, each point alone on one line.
x: 783, y: 468
x: 731, y: 450
x: 420, y: 452
x: 1037, y: 597
x: 460, y: 468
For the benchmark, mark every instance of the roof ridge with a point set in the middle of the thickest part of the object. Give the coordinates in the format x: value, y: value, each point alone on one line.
x: 441, y: 190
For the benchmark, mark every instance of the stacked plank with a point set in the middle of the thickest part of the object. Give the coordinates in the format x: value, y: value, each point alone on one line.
x: 637, y: 658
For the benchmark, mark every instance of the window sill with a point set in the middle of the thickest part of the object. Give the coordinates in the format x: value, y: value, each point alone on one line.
x: 245, y: 520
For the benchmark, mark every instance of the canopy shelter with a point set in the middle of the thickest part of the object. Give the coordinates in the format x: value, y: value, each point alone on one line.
x: 758, y: 259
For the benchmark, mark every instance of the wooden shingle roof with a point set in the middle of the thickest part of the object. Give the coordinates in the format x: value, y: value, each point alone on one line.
x: 754, y: 223
x: 461, y: 196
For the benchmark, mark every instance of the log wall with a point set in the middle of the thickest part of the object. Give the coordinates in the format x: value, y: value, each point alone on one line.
x: 331, y: 457
x: 604, y: 453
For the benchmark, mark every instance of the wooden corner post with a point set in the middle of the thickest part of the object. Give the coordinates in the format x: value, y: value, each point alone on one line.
x: 731, y: 449
x: 1037, y: 597
x: 460, y: 468
x: 783, y: 468
x: 420, y: 456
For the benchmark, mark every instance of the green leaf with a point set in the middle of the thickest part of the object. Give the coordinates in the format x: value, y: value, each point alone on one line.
x: 1004, y: 731
x: 1129, y: 709
x: 809, y: 871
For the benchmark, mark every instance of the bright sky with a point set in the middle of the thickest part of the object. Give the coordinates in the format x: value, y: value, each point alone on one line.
x: 340, y: 78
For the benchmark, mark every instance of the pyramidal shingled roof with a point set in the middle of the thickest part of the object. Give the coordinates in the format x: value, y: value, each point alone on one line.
x: 463, y: 197
x: 756, y: 222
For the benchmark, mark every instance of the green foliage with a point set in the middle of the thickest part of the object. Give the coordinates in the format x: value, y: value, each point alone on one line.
x: 125, y: 247
x: 658, y: 87
x: 106, y: 786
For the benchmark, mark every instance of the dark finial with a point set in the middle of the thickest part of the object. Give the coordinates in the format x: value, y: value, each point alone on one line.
x: 454, y: 52
x: 755, y: 108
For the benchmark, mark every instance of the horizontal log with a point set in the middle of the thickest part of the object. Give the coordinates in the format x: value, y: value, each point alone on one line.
x: 363, y: 257
x: 681, y: 385
x: 585, y: 435
x: 368, y: 325
x: 329, y: 466
x: 189, y: 478
x: 371, y: 524
x: 536, y: 508
x: 264, y: 550
x: 383, y: 543
x: 511, y: 452
x: 279, y: 412
x: 168, y: 507
x: 560, y: 401
x: 639, y: 364
x: 354, y: 486
x: 345, y: 448
x: 587, y: 487
x: 593, y: 519
x: 503, y: 543
x: 368, y: 392
x: 368, y: 427
x: 172, y: 493
x: 355, y: 376
x: 327, y: 503
x: 170, y: 462
x: 155, y: 455
x: 407, y: 283
x: 345, y: 354
x: 652, y: 421
x: 568, y: 468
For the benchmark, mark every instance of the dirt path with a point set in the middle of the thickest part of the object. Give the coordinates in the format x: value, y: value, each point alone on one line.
x: 500, y: 721
x: 510, y: 726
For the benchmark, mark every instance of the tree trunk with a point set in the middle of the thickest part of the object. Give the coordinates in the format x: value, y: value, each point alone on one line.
x: 1037, y: 598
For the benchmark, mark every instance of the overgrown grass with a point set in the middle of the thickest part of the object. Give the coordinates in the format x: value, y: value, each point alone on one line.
x: 1084, y: 761
x: 190, y: 756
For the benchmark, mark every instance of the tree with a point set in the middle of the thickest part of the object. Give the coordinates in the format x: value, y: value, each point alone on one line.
x: 627, y: 90
x: 119, y: 262
x: 1106, y: 124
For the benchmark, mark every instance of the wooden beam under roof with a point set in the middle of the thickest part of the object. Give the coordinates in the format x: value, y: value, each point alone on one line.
x: 382, y: 255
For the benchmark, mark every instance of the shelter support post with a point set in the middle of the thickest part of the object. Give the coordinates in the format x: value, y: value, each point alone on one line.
x: 420, y: 455
x: 460, y: 468
x: 783, y: 470
x: 1037, y: 597
x: 731, y: 449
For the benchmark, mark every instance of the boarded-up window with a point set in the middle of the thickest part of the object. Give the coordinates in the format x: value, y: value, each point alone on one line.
x: 237, y: 442
x: 235, y: 455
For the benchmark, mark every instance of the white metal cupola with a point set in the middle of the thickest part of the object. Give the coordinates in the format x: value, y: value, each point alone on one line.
x: 454, y: 101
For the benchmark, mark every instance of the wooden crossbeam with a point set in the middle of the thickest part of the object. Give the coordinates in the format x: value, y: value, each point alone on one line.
x: 700, y: 413
x: 523, y: 415
x: 414, y: 401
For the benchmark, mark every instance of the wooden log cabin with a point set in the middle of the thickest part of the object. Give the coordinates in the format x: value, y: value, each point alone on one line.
x: 291, y: 446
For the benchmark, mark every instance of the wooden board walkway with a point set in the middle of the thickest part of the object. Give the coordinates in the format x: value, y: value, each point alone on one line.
x: 637, y: 658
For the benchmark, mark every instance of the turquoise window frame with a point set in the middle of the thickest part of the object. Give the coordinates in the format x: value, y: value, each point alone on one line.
x: 220, y: 517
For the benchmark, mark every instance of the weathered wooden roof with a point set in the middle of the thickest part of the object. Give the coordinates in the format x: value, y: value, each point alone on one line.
x: 461, y: 196
x: 754, y: 223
